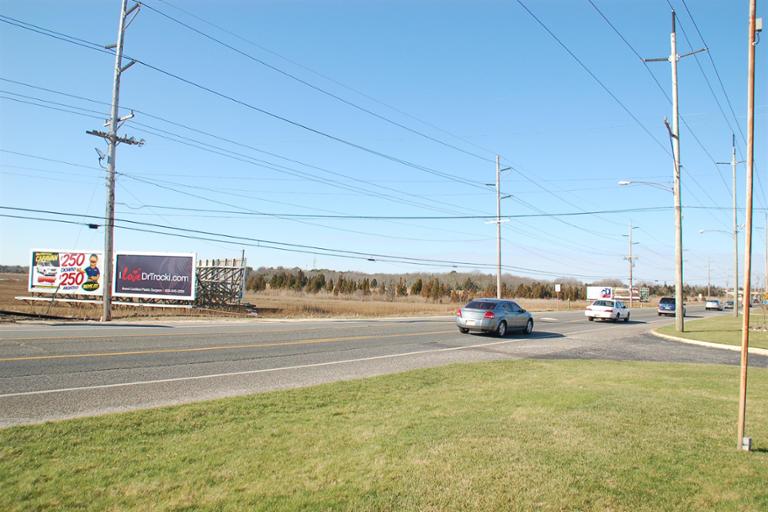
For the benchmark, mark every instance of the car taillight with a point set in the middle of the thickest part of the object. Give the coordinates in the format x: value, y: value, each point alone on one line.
x: 589, y: 308
x: 489, y: 314
x: 458, y: 312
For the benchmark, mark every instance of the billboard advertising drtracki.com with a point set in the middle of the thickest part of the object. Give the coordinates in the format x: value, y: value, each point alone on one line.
x: 155, y: 275
x: 66, y: 272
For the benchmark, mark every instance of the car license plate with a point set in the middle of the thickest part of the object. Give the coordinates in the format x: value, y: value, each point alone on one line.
x: 470, y: 322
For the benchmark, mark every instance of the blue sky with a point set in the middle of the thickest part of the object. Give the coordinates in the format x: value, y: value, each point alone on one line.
x: 484, y: 76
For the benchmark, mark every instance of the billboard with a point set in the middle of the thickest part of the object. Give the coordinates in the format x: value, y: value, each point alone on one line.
x: 72, y: 272
x: 154, y: 275
x: 599, y: 292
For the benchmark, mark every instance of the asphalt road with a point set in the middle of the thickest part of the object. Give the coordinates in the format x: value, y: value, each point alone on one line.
x: 62, y: 370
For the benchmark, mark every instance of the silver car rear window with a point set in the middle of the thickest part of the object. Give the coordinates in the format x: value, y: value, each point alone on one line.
x: 606, y: 303
x: 476, y: 304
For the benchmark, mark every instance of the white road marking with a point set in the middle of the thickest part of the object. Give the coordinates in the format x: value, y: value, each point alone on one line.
x: 253, y: 372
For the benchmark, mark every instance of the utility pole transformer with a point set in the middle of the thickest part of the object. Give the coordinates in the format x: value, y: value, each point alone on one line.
x: 113, y: 124
x: 674, y: 135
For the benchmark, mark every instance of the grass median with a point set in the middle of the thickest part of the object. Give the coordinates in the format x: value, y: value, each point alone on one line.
x: 725, y: 329
x: 514, y: 435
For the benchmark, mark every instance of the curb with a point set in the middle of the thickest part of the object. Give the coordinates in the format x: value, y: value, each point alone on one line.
x: 733, y: 348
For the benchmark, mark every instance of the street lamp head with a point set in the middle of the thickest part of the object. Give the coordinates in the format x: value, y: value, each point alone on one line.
x: 624, y: 183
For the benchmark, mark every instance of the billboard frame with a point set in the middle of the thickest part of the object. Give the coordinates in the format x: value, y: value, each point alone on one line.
x: 193, y: 284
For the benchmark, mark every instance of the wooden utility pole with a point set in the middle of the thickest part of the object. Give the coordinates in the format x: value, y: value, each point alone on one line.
x: 733, y: 163
x: 631, y: 259
x: 112, y: 140
x: 498, y: 221
x: 498, y: 227
x: 743, y: 442
x: 674, y: 135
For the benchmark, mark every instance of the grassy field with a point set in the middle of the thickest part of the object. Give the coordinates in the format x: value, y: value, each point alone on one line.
x: 522, y: 435
x: 724, y: 329
x: 268, y: 304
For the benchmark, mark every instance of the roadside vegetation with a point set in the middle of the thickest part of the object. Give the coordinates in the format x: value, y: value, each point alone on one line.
x: 513, y: 435
x: 725, y: 329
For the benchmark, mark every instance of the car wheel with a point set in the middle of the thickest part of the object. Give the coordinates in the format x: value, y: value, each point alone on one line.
x: 528, y: 327
x: 591, y: 318
x: 463, y: 330
x: 626, y: 318
x: 501, y: 330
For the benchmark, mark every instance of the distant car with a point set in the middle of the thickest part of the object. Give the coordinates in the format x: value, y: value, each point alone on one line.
x: 495, y: 316
x: 713, y: 305
x: 667, y: 307
x: 607, y: 309
x: 728, y: 304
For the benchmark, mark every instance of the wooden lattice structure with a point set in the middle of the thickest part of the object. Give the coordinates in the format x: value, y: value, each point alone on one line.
x: 220, y: 282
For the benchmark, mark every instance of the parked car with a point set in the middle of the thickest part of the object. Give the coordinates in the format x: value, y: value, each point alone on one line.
x: 495, y: 316
x: 667, y: 307
x: 713, y: 305
x: 728, y: 304
x: 607, y: 309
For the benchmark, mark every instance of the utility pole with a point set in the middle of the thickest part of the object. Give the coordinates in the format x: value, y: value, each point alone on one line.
x: 733, y: 164
x: 113, y: 124
x: 745, y: 443
x: 631, y: 259
x: 709, y: 276
x: 674, y: 135
x: 498, y: 227
x: 498, y: 221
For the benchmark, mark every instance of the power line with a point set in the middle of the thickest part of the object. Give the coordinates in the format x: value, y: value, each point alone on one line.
x: 328, y: 78
x: 313, y: 86
x: 594, y: 76
x: 181, y: 139
x: 760, y: 187
x: 669, y: 100
x: 93, y: 46
x: 271, y: 244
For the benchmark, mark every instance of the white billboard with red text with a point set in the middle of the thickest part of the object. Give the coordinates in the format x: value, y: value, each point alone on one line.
x: 66, y: 272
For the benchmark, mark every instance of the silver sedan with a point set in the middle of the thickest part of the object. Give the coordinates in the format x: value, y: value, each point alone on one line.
x: 496, y: 316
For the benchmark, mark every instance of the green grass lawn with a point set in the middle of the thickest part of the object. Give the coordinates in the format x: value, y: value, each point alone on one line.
x: 514, y: 435
x: 724, y: 329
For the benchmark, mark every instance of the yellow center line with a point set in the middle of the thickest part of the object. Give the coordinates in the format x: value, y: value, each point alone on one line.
x: 218, y: 347
x: 161, y: 334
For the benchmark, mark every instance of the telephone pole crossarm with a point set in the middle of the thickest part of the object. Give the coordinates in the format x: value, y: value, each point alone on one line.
x: 113, y: 139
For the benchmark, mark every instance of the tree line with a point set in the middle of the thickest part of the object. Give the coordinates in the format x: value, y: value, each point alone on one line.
x: 435, y: 287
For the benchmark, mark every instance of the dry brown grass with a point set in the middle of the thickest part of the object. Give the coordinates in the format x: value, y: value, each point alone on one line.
x: 13, y: 285
x: 269, y: 304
